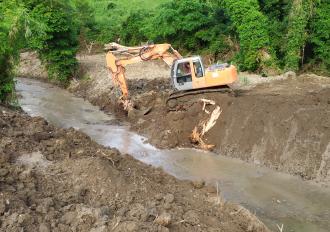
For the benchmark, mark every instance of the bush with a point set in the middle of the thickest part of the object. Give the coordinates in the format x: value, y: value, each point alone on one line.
x: 180, y: 22
x: 296, y: 36
x: 7, y: 84
x: 256, y: 52
x: 11, y: 15
x: 132, y: 28
x: 320, y: 36
x: 58, y: 46
x: 194, y: 26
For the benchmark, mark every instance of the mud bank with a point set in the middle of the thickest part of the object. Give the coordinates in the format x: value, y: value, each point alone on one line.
x: 59, y: 180
x: 282, y: 123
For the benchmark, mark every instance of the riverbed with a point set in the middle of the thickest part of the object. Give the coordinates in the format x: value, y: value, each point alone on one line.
x: 275, y: 197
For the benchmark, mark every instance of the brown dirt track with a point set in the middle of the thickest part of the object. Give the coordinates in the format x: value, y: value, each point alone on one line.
x: 59, y: 180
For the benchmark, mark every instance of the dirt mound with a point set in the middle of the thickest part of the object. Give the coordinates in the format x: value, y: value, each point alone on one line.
x: 59, y: 180
x: 280, y: 122
x: 283, y: 125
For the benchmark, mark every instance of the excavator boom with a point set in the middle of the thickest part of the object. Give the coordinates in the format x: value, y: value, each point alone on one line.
x: 131, y: 55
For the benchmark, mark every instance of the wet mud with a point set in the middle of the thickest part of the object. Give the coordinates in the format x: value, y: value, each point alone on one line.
x: 274, y: 197
x: 282, y: 123
x: 60, y: 180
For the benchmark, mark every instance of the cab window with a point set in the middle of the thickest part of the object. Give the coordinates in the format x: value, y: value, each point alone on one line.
x: 198, y: 69
x: 183, y: 69
x: 183, y: 72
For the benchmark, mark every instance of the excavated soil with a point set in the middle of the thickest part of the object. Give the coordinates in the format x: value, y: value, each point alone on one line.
x: 59, y: 180
x: 281, y: 122
x: 284, y: 125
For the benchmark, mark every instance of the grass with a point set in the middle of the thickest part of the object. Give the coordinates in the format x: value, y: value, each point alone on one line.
x: 118, y: 10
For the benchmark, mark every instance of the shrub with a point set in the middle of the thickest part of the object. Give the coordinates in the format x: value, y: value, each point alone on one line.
x: 58, y: 46
x: 320, y: 36
x: 296, y: 36
x: 11, y: 17
x: 256, y: 52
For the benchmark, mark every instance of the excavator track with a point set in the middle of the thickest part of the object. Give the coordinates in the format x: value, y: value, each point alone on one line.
x: 171, y: 101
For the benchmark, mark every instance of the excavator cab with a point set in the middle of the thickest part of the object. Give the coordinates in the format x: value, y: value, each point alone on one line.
x: 187, y: 72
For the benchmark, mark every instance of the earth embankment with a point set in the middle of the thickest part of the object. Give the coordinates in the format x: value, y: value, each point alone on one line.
x: 281, y: 122
x: 59, y: 180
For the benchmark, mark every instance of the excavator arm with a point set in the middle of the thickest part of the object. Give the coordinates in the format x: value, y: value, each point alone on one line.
x: 131, y: 55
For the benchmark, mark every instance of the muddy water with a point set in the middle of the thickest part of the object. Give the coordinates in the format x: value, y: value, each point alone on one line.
x: 276, y: 198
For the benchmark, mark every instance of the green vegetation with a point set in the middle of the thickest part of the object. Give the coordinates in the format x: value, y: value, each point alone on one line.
x: 263, y: 36
x: 58, y: 46
x: 191, y: 25
x: 42, y: 25
x: 11, y: 18
x: 320, y: 36
x: 296, y: 36
x: 251, y: 26
x: 108, y: 15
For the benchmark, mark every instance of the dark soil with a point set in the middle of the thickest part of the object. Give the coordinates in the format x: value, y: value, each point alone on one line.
x: 284, y: 125
x: 59, y: 180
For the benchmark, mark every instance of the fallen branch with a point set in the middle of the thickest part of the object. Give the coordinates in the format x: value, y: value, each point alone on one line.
x: 280, y: 228
x: 205, y: 125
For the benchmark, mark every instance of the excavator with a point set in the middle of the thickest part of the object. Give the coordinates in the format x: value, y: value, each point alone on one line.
x: 188, y: 75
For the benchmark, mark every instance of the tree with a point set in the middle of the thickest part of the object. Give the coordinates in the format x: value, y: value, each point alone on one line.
x: 85, y: 17
x: 191, y: 26
x: 58, y: 46
x: 132, y: 28
x: 12, y: 14
x: 179, y: 22
x: 320, y: 35
x: 256, y: 52
x: 46, y: 26
x: 297, y: 34
x: 277, y: 12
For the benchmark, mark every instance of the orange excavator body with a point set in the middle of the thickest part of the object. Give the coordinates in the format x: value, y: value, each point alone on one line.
x: 187, y: 73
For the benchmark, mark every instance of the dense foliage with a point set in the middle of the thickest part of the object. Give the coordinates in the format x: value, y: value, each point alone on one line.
x: 42, y: 25
x: 58, y: 46
x: 191, y: 25
x: 251, y: 26
x: 296, y: 35
x: 257, y: 35
x: 11, y: 16
x: 320, y: 36
x: 108, y: 15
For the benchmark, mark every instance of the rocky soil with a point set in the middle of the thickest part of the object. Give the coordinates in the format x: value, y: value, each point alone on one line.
x: 282, y: 122
x: 59, y: 180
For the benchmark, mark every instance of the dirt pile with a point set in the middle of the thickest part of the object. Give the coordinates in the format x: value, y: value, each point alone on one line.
x: 59, y: 180
x: 283, y: 125
x: 281, y: 122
